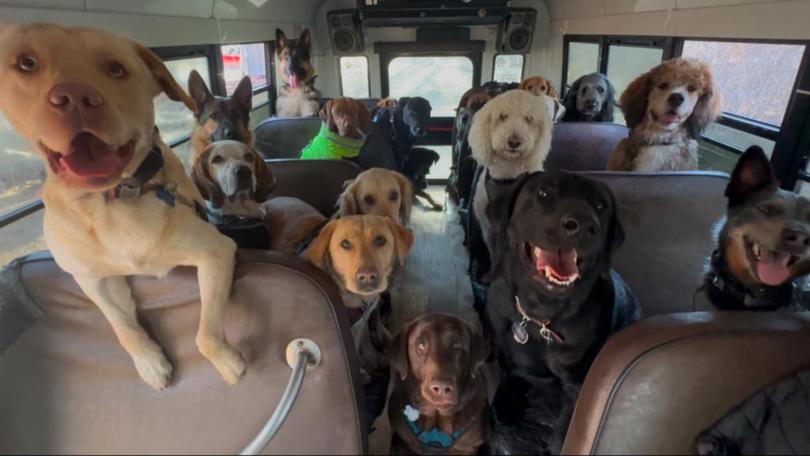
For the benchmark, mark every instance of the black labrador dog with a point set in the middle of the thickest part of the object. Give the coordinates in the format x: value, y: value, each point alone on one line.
x: 552, y: 304
x: 416, y: 168
x: 590, y: 99
x: 402, y: 124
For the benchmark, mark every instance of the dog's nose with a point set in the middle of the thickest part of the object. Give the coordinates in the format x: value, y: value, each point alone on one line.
x: 420, y: 131
x: 570, y: 225
x: 797, y: 239
x: 442, y: 389
x: 367, y: 277
x: 74, y: 95
x: 590, y: 104
x: 513, y: 143
x: 675, y: 99
x: 243, y: 172
x: 229, y: 133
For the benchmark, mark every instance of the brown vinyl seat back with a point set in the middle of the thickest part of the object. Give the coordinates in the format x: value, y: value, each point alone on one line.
x: 286, y: 137
x: 317, y: 182
x: 583, y: 146
x: 370, y: 103
x: 668, y: 220
x: 67, y: 386
x: 659, y: 383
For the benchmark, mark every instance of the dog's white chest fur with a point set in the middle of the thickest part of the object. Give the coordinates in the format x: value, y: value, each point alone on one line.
x: 297, y: 103
x: 679, y: 156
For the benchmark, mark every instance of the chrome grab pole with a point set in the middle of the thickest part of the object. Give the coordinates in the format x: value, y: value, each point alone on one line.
x: 301, y: 354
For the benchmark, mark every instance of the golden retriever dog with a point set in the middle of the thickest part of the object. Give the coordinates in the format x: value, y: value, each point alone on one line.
x: 360, y: 253
x: 388, y: 102
x: 236, y: 182
x: 666, y: 109
x: 539, y: 85
x: 117, y: 200
x: 378, y: 191
x: 510, y: 136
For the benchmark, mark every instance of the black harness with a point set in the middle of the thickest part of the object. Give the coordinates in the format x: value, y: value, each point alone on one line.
x: 299, y: 249
x: 726, y: 292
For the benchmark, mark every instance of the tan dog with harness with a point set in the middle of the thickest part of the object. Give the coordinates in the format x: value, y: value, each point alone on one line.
x: 117, y: 200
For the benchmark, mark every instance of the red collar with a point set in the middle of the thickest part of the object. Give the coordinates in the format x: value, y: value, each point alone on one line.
x: 519, y: 329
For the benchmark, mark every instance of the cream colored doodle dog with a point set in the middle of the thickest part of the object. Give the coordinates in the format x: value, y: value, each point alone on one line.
x: 117, y: 200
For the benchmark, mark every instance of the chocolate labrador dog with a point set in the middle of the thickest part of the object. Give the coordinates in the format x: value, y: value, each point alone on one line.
x: 552, y: 304
x: 439, y: 399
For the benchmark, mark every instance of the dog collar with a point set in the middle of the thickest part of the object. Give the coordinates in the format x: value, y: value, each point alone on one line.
x: 432, y: 441
x: 726, y: 292
x: 521, y: 334
x: 132, y: 187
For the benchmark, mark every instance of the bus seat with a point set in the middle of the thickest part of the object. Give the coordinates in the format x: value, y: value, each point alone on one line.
x: 660, y: 382
x: 285, y: 137
x: 67, y: 386
x: 317, y: 182
x: 667, y: 219
x: 583, y: 146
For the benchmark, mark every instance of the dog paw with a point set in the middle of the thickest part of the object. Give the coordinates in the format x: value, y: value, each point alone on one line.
x: 154, y: 368
x: 229, y: 363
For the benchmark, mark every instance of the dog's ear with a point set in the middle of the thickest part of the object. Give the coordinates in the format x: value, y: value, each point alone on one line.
x: 199, y: 91
x: 616, y: 230
x: 363, y: 116
x: 265, y: 181
x: 397, y: 351
x: 406, y: 198
x: 403, y: 101
x: 609, y: 103
x: 557, y: 110
x: 570, y: 100
x: 753, y: 173
x: 706, y: 110
x: 403, y: 239
x: 164, y: 79
x: 326, y: 116
x: 318, y: 250
x: 243, y: 96
x: 502, y: 198
x: 347, y: 201
x: 479, y: 348
x: 479, y: 136
x: 634, y: 99
x: 552, y: 91
x: 305, y: 39
x: 281, y: 41
x: 208, y: 187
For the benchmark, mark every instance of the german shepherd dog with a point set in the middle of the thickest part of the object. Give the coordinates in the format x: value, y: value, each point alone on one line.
x: 298, y: 96
x: 763, y: 243
x: 219, y: 118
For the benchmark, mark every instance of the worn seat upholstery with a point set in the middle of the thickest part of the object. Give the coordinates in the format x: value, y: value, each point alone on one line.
x: 583, y: 146
x: 67, y: 386
x: 285, y: 137
x: 668, y: 220
x: 317, y: 182
x: 656, y: 385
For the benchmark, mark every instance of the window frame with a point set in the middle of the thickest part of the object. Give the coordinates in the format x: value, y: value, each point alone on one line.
x: 522, y: 63
x: 368, y: 72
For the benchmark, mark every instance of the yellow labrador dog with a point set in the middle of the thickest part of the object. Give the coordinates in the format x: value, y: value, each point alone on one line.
x: 117, y: 200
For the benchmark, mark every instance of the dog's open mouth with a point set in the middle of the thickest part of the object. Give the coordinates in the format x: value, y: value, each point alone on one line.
x: 668, y: 118
x: 91, y: 158
x: 557, y: 268
x: 772, y: 267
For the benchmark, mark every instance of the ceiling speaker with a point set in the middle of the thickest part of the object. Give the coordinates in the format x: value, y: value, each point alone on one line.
x: 345, y: 32
x: 517, y: 32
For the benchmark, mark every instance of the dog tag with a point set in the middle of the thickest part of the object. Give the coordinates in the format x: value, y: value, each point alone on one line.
x: 519, y: 332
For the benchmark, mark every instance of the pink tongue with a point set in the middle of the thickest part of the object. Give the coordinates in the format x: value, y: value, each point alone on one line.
x: 293, y: 81
x: 771, y: 268
x: 91, y: 157
x: 669, y: 118
x: 562, y: 262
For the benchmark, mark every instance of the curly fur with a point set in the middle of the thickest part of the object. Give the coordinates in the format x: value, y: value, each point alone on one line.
x: 591, y: 89
x: 655, y: 143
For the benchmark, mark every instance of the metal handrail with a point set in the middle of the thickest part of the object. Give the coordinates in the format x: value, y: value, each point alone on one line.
x: 301, y: 353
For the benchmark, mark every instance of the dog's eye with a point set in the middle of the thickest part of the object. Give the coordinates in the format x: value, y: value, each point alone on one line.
x: 380, y: 241
x: 368, y: 199
x: 601, y: 205
x: 600, y: 89
x: 691, y: 88
x: 393, y: 196
x: 421, y: 345
x: 214, y: 116
x: 217, y: 159
x: 26, y: 63
x: 663, y: 85
x: 766, y: 209
x: 116, y: 70
x: 528, y: 119
x: 542, y: 193
x: 345, y: 244
x: 503, y: 117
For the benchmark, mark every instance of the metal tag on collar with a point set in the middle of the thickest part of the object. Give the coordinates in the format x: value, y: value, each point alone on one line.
x: 545, y: 333
x: 128, y: 190
x: 519, y: 332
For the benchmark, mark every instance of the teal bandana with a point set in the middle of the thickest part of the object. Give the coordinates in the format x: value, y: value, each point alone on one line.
x: 434, y: 438
x: 328, y: 145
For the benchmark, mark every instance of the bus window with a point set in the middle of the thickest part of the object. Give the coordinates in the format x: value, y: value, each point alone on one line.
x: 508, y: 68
x: 626, y: 63
x: 239, y: 60
x: 583, y: 58
x: 172, y: 118
x: 354, y: 77
x: 441, y: 80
